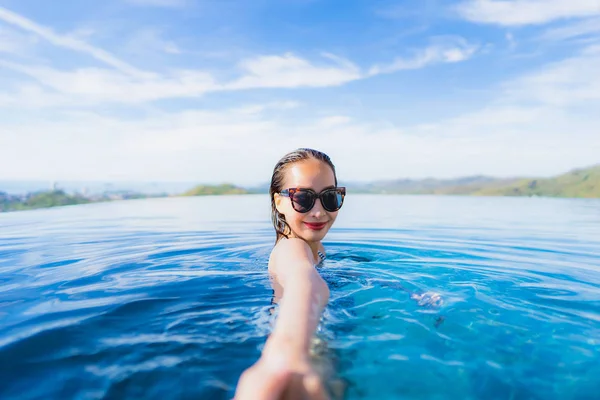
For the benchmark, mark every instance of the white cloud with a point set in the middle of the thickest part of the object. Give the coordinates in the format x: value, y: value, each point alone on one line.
x: 31, y: 96
x: 259, y: 108
x: 68, y: 42
x: 526, y: 12
x: 96, y: 85
x: 525, y: 130
x: 289, y: 71
x: 124, y: 83
x: 571, y: 82
x: 448, y: 50
x: 587, y: 27
x: 171, y: 48
x: 149, y: 40
x: 510, y: 39
x: 14, y: 42
x: 334, y: 120
x: 540, y: 123
x: 224, y: 145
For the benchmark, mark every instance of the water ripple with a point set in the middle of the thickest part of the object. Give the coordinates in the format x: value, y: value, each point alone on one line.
x: 430, y: 298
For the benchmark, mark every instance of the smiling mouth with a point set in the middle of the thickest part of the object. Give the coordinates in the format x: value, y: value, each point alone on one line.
x: 315, y: 226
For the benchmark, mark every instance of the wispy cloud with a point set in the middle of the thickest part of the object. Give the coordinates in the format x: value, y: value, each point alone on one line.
x: 68, y: 42
x: 149, y: 40
x: 526, y: 12
x: 589, y: 27
x: 334, y: 120
x: 289, y: 71
x: 96, y: 85
x: 525, y: 126
x: 510, y: 40
x: 14, y: 42
x: 128, y: 84
x: 520, y: 126
x: 259, y: 108
x: 452, y: 50
x: 539, y: 102
x: 28, y: 96
x: 522, y: 135
x: 124, y: 83
x: 570, y: 82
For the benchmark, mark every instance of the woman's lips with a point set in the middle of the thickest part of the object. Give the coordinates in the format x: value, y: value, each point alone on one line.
x: 315, y: 226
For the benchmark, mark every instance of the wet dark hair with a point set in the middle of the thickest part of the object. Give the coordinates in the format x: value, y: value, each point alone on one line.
x: 282, y: 229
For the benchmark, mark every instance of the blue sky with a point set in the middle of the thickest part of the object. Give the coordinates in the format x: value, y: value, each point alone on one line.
x: 212, y: 91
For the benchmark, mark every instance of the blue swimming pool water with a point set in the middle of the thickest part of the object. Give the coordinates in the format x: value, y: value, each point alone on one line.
x: 431, y: 297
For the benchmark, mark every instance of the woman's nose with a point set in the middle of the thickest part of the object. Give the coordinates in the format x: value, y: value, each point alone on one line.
x: 317, y: 210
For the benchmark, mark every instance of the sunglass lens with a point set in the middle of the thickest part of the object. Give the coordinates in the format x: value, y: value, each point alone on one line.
x: 303, y: 201
x: 332, y: 200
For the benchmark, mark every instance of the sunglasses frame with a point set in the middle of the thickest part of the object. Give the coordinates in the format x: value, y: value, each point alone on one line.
x: 292, y: 191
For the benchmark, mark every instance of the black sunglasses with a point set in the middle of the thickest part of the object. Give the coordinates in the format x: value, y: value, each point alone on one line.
x: 303, y: 200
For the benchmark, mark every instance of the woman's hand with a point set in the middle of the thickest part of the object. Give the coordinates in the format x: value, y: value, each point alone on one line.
x: 281, y: 374
x: 265, y: 380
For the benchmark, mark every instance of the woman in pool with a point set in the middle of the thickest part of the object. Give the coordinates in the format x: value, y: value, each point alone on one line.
x: 305, y: 201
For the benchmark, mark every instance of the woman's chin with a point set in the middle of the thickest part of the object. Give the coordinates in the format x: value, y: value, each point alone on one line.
x: 314, y: 235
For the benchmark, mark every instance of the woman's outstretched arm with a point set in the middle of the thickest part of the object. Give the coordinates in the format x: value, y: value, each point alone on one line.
x: 305, y: 294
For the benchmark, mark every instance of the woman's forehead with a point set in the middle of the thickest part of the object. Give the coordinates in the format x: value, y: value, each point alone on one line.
x: 313, y: 174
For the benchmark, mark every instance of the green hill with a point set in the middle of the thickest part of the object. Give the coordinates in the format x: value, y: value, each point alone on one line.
x: 577, y: 183
x: 584, y: 183
x: 463, y: 185
x: 53, y: 198
x: 211, y: 190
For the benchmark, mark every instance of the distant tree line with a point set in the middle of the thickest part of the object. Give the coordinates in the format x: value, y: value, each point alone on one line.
x: 46, y: 199
x: 583, y: 183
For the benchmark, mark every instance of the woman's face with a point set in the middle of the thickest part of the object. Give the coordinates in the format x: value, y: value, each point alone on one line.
x: 307, y: 174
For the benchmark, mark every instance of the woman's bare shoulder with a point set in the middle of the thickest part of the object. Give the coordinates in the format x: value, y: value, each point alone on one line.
x: 289, y: 250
